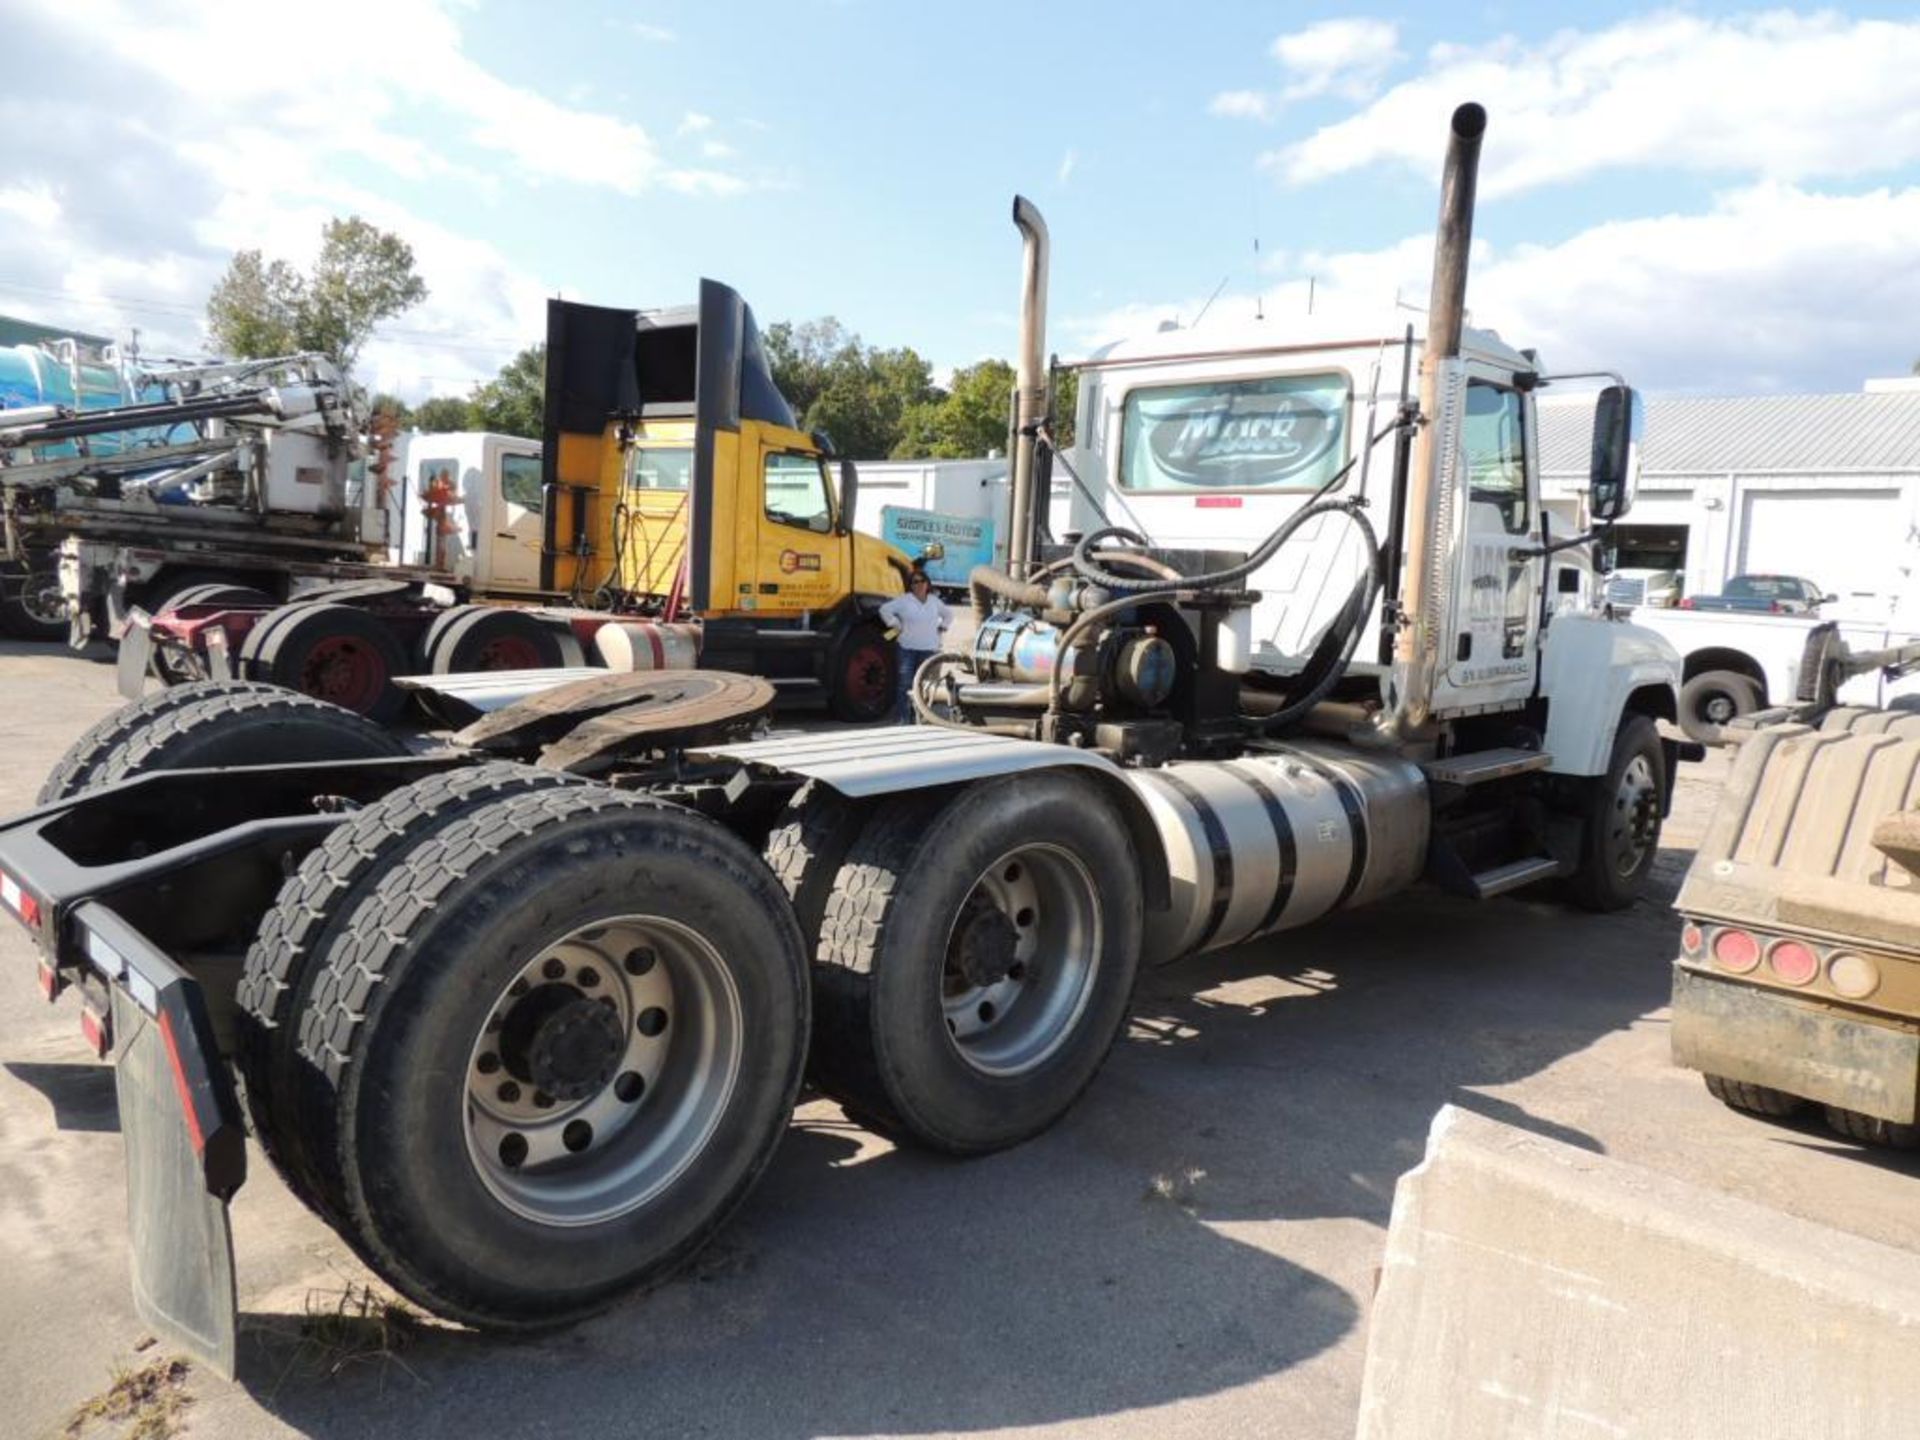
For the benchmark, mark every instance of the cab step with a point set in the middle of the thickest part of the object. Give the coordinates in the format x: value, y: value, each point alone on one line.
x: 1478, y: 767
x: 1515, y: 873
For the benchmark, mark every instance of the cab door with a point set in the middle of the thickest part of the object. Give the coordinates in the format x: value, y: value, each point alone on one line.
x: 1492, y: 637
x: 800, y: 556
x: 513, y: 526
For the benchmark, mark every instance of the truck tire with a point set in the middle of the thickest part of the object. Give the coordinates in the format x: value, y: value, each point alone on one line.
x: 630, y: 963
x: 860, y: 675
x: 31, y: 605
x: 314, y: 904
x: 1620, y: 832
x: 977, y: 960
x: 1871, y: 1129
x: 490, y: 638
x: 1754, y: 1099
x: 259, y: 725
x: 1712, y: 698
x: 807, y: 847
x: 331, y: 652
x: 79, y: 767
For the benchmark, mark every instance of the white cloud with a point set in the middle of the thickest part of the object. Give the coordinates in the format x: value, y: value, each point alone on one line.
x: 1348, y: 58
x: 1345, y: 58
x: 655, y: 34
x: 200, y: 168
x: 1775, y: 94
x: 693, y: 122
x: 1774, y: 288
x: 1067, y: 163
x: 717, y: 150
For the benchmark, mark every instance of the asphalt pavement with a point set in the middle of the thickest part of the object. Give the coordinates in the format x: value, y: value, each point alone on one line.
x: 1191, y: 1253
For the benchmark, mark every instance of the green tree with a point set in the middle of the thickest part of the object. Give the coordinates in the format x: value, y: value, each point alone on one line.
x: 363, y: 275
x: 858, y: 394
x: 254, y: 310
x: 444, y: 413
x: 514, y: 401
x: 968, y: 421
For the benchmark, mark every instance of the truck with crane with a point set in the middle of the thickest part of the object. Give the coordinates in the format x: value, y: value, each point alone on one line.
x: 522, y: 1011
x: 235, y: 522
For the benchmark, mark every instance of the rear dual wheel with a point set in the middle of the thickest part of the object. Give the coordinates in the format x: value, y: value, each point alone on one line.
x: 334, y: 653
x: 976, y: 956
x: 544, y: 1051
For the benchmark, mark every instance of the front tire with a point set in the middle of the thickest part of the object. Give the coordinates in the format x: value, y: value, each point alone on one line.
x: 33, y: 607
x: 630, y: 964
x: 1620, y: 835
x: 860, y: 678
x: 1713, y: 699
x: 977, y: 959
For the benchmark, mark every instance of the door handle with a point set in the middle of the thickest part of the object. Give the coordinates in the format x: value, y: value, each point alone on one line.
x: 505, y: 535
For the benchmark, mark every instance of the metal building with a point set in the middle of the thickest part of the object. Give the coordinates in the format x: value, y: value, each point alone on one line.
x: 1822, y: 486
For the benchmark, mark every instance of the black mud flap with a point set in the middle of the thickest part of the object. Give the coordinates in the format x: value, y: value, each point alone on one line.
x: 180, y: 1233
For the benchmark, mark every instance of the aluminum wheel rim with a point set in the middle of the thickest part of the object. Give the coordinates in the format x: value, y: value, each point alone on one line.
x: 43, y: 602
x: 1017, y: 1022
x: 1632, y: 821
x: 658, y: 1106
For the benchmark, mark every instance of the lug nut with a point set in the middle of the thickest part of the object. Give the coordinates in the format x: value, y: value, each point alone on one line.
x: 587, y: 978
x: 489, y: 1063
x: 554, y: 968
x: 508, y: 1092
x: 542, y: 1100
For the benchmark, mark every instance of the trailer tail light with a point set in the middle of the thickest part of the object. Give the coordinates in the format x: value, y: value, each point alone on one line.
x: 1735, y: 951
x: 1854, y: 976
x: 19, y: 900
x: 1793, y: 962
x: 1690, y: 939
x: 52, y: 982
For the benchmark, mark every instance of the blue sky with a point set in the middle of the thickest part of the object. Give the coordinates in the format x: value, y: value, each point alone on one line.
x: 1715, y: 198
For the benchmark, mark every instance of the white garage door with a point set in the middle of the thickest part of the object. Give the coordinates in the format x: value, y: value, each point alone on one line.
x: 1845, y: 541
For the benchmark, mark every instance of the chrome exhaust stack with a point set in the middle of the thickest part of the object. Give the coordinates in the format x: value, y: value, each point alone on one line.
x: 1416, y: 651
x: 1030, y: 394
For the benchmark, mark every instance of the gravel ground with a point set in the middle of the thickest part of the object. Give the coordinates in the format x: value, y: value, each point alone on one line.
x: 1190, y: 1254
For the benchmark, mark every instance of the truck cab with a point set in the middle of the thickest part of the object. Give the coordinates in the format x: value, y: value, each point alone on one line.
x: 471, y: 503
x: 1210, y: 440
x: 680, y: 483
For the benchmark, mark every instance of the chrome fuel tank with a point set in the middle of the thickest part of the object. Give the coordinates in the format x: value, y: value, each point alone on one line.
x: 1271, y: 841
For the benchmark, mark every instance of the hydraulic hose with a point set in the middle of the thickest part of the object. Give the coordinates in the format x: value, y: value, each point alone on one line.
x: 985, y: 584
x: 1328, y: 664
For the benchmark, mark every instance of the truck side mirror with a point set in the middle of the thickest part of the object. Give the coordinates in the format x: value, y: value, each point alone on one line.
x: 1615, y: 471
x: 849, y: 493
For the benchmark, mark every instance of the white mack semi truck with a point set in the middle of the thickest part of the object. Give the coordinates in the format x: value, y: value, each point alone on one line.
x: 522, y: 1011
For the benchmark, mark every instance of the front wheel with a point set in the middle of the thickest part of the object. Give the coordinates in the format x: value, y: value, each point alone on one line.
x: 1621, y: 830
x: 860, y: 676
x: 976, y: 960
x: 33, y: 607
x: 1709, y: 702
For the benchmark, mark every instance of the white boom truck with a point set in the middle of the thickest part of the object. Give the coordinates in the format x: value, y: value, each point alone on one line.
x: 523, y: 1012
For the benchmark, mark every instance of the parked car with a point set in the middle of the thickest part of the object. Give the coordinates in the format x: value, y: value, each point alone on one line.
x: 1764, y: 594
x: 1632, y: 586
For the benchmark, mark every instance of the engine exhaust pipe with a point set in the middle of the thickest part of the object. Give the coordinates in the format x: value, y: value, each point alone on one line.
x: 1416, y: 653
x: 1030, y: 396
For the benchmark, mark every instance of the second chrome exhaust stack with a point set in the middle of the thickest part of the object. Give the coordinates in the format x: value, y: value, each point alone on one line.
x: 1030, y: 396
x: 1416, y: 651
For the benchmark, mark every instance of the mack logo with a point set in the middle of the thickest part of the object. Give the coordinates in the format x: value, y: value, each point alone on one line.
x: 1245, y: 438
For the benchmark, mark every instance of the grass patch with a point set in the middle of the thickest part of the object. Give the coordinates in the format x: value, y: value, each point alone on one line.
x: 146, y: 1404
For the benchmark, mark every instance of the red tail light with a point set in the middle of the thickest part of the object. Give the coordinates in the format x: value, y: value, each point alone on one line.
x: 1690, y: 938
x: 98, y: 1032
x: 1774, y: 607
x: 1735, y: 951
x: 18, y: 899
x: 1793, y: 962
x: 1686, y: 603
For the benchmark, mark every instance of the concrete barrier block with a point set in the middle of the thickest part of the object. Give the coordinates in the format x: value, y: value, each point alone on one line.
x: 1534, y: 1289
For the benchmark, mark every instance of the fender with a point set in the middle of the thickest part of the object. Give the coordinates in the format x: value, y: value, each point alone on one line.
x: 1593, y: 671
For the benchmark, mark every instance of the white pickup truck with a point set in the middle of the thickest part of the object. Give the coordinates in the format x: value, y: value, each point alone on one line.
x: 1734, y: 663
